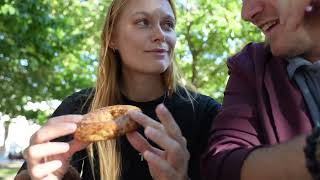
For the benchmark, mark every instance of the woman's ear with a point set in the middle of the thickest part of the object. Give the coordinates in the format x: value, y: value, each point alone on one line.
x: 112, y: 45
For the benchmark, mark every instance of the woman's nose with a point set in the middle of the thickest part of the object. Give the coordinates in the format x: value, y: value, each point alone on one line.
x: 158, y: 34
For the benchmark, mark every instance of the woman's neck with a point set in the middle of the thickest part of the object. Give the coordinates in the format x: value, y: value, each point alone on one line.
x: 141, y: 87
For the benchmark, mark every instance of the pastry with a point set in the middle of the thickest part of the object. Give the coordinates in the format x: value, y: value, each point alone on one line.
x: 106, y: 123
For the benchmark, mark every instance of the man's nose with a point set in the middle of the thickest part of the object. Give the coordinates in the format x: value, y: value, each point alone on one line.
x: 250, y: 9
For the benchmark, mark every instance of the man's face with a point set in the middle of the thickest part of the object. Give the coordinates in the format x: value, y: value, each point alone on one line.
x: 264, y: 14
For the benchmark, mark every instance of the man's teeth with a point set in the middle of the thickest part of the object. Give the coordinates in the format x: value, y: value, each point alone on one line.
x: 268, y: 25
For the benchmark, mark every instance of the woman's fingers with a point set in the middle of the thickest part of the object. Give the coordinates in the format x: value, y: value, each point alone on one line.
x: 56, y: 127
x: 174, y: 150
x: 170, y: 124
x: 144, y: 120
x: 167, y: 120
x: 172, y: 161
x: 49, y: 160
x: 53, y: 131
x: 36, y: 153
x: 161, y: 166
x: 40, y: 171
x: 75, y: 146
x: 142, y: 145
x: 73, y: 118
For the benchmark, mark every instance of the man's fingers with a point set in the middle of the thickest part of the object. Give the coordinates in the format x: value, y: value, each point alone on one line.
x: 49, y: 132
x: 142, y: 145
x: 42, y: 170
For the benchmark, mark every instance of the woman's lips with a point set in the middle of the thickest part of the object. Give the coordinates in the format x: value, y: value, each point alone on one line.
x: 158, y: 52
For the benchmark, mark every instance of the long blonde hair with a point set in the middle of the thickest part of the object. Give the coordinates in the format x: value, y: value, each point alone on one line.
x: 107, y: 92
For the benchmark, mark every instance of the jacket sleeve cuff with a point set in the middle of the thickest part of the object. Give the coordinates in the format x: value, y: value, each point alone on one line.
x: 226, y: 164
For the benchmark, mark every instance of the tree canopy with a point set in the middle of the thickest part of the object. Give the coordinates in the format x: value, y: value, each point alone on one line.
x: 49, y: 48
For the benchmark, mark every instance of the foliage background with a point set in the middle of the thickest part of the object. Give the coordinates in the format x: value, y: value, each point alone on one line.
x: 48, y: 48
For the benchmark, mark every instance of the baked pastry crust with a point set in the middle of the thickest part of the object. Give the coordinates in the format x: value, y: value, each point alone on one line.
x: 106, y: 123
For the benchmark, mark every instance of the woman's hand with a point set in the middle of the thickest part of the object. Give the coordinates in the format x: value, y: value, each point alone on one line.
x: 292, y: 12
x: 171, y: 163
x: 50, y: 160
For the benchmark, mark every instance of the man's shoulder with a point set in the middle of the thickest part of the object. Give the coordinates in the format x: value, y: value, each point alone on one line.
x: 251, y: 58
x: 251, y: 53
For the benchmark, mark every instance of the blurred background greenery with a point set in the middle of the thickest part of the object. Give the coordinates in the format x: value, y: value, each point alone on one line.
x: 48, y: 48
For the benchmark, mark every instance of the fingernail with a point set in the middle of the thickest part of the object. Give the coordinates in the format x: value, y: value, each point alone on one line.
x: 132, y: 113
x: 72, y: 127
x: 149, y: 131
x: 281, y: 21
x: 162, y: 107
x: 147, y: 155
x: 65, y: 146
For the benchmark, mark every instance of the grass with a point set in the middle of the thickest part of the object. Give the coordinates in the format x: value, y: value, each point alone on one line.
x: 7, y: 173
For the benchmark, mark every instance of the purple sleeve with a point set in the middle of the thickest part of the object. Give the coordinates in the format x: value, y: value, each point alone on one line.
x: 234, y: 133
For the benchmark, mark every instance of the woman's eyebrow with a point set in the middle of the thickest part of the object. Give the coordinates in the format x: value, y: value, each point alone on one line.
x: 140, y: 13
x: 168, y: 16
x: 144, y: 13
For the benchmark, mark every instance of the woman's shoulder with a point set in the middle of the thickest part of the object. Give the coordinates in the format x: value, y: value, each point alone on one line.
x: 81, y: 95
x: 197, y: 100
x: 76, y: 103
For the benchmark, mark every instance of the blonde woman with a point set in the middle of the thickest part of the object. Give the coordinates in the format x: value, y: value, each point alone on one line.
x: 136, y: 67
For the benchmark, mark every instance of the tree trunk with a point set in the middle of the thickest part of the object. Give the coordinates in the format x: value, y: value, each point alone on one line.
x: 6, y: 125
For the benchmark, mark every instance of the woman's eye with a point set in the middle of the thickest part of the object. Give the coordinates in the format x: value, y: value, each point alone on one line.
x: 169, y: 26
x: 142, y: 23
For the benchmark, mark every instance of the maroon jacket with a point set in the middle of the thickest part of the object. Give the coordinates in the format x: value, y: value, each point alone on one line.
x: 261, y: 107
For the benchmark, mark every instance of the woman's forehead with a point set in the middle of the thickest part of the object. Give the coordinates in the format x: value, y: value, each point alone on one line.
x: 159, y: 7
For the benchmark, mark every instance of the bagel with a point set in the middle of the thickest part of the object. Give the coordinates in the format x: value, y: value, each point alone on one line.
x: 106, y: 123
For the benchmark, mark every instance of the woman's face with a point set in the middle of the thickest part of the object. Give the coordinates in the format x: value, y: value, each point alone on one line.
x: 145, y: 36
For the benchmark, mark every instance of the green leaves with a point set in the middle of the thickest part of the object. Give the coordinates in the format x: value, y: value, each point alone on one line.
x: 41, y: 43
x: 49, y: 48
x: 7, y: 9
x: 209, y: 31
